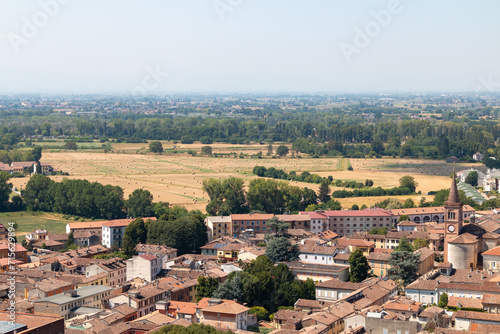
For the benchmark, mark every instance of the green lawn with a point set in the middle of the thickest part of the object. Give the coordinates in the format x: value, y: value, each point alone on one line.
x: 30, y: 221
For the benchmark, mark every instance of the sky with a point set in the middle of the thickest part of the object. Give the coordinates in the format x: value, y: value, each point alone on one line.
x: 250, y: 46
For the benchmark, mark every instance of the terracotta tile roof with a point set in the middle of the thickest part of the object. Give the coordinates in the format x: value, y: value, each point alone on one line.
x: 431, y: 311
x: 425, y: 253
x: 408, y: 223
x: 251, y: 216
x: 86, y: 225
x: 298, y: 232
x: 337, y: 284
x: 328, y: 235
x: 290, y: 316
x: 311, y: 247
x: 477, y: 316
x: 314, y: 214
x: 311, y: 303
x: 465, y: 302
x: 148, y: 248
x: 227, y: 307
x: 22, y: 163
x: 465, y: 238
x: 490, y: 225
x: 491, y: 299
x: 148, y: 257
x: 401, y: 307
x: 355, y: 242
x: 428, y: 210
x: 182, y: 307
x: 123, y: 222
x: 484, y: 328
x: 48, y: 243
x: 494, y: 251
x: 156, y: 318
x: 359, y: 213
x: 411, y: 235
x: 378, y: 257
x: 18, y: 247
x: 293, y: 218
x: 31, y: 320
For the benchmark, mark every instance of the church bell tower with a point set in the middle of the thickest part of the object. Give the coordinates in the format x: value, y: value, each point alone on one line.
x: 453, y: 216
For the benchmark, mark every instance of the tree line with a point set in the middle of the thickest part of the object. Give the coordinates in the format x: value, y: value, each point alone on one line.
x: 313, y: 132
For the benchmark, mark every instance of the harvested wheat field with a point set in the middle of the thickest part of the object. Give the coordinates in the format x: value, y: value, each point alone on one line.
x: 177, y: 178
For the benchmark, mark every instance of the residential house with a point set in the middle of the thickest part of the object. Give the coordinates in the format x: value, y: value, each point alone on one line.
x: 257, y: 222
x: 226, y: 315
x: 146, y: 266
x: 317, y: 251
x: 115, y: 268
x: 463, y: 283
x: 23, y: 167
x: 225, y: 248
x: 164, y: 253
x: 51, y: 245
x: 218, y: 226
x: 95, y: 227
x: 48, y: 287
x: 20, y: 253
x: 86, y: 238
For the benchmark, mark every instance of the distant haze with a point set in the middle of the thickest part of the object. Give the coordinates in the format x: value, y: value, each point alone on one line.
x: 123, y: 46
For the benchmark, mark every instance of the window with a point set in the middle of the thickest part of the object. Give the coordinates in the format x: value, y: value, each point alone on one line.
x: 493, y: 264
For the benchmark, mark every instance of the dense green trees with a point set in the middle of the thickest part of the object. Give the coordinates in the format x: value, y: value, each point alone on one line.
x: 192, y: 329
x: 409, y: 182
x: 5, y: 189
x: 282, y: 150
x: 156, y: 147
x: 472, y: 178
x: 280, y: 249
x: 206, y: 150
x: 404, y: 263
x: 135, y: 233
x: 74, y: 197
x: 443, y: 300
x: 206, y: 287
x: 140, y: 204
x: 226, y: 197
x: 358, y: 266
x: 264, y: 284
x: 186, y: 233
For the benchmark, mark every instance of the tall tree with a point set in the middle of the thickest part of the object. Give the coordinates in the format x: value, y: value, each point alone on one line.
x: 409, y: 182
x: 324, y: 192
x: 135, y: 233
x: 156, y: 147
x: 282, y: 150
x: 472, y: 178
x: 140, y: 204
x: 280, y: 249
x: 358, y: 266
x: 403, y: 266
x: 279, y: 227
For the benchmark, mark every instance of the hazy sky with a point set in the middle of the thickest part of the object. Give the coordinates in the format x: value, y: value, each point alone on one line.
x: 112, y: 46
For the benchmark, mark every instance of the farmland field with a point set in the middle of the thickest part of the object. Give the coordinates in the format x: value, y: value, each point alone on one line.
x: 30, y: 221
x: 177, y: 177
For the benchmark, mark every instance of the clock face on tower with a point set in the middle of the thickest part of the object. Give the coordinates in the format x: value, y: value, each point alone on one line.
x: 451, y: 228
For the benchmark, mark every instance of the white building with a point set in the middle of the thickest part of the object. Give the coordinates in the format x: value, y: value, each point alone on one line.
x: 145, y: 266
x: 313, y: 251
x: 113, y: 232
x: 478, y: 156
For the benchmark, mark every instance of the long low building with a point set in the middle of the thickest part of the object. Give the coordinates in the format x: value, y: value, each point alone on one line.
x: 69, y: 303
x: 318, y: 272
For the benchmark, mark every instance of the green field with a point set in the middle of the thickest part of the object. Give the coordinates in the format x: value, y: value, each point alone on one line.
x: 30, y: 221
